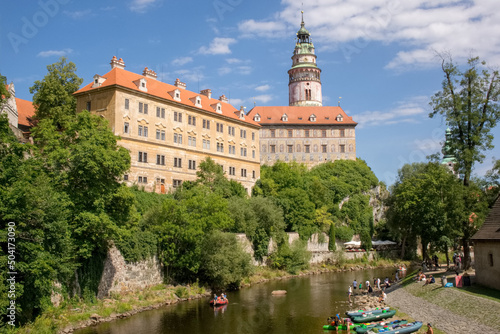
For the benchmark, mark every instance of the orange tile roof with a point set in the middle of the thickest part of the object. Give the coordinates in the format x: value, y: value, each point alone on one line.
x: 300, y: 115
x: 25, y: 111
x: 123, y: 78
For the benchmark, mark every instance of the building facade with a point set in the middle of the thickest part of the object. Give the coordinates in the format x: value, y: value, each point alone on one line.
x: 304, y: 131
x: 170, y: 130
x: 19, y: 112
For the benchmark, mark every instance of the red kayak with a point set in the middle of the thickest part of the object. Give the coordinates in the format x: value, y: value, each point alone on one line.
x: 219, y: 302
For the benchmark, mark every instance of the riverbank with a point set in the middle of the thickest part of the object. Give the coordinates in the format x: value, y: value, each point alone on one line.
x: 76, y: 314
x: 449, y: 310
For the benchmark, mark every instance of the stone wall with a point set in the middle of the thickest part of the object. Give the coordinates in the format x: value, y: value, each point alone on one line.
x: 119, y: 276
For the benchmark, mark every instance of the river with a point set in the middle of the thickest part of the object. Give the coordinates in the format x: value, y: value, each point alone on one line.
x: 309, y: 301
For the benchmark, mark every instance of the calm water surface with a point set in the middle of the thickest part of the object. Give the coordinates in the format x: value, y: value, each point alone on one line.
x: 304, y: 309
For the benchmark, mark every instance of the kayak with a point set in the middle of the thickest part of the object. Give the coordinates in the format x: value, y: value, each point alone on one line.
x: 374, y: 316
x: 219, y: 302
x: 365, y: 327
x: 402, y: 329
x: 340, y: 327
x: 358, y: 313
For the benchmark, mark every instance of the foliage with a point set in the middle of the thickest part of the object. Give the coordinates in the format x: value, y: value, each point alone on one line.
x: 224, y: 262
x: 291, y: 258
x: 332, y: 246
x: 4, y: 93
x: 53, y: 96
x: 344, y: 233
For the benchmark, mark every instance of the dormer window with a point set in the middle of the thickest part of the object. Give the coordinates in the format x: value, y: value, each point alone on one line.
x: 339, y: 118
x: 197, y: 101
x: 284, y: 118
x: 256, y: 118
x: 176, y: 94
x: 142, y: 84
x: 312, y: 118
x: 217, y: 107
x: 98, y: 81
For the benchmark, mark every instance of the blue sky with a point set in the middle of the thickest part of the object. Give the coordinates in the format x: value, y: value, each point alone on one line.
x: 379, y: 56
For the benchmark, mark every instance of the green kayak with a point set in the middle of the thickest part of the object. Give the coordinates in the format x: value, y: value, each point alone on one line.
x: 374, y: 317
x: 340, y: 327
x: 365, y: 327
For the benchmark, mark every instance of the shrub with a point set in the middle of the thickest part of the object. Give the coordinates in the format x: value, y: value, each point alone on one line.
x: 344, y: 233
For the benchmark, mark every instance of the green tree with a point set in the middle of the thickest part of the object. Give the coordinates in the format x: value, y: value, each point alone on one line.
x: 53, y: 95
x: 224, y: 263
x: 468, y: 102
x: 4, y: 93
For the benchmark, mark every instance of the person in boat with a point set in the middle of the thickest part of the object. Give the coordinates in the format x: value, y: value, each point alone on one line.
x: 215, y: 298
x: 224, y: 297
x: 429, y: 329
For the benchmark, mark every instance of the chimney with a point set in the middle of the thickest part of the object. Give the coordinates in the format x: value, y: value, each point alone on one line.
x: 223, y: 98
x: 207, y: 93
x: 119, y: 63
x: 149, y: 73
x: 179, y: 84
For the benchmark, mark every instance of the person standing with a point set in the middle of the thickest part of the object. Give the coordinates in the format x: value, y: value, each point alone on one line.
x: 355, y: 285
x: 378, y: 283
x: 429, y: 329
x: 349, y: 293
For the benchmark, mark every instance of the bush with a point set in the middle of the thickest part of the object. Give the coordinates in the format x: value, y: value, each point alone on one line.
x: 344, y: 233
x: 224, y: 263
x: 181, y: 292
x: 291, y: 258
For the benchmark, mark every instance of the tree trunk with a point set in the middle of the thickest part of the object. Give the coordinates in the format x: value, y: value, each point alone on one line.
x: 466, y: 261
x: 403, y: 247
x: 447, y: 257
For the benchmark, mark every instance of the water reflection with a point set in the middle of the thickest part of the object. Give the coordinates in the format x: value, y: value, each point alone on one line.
x: 309, y: 301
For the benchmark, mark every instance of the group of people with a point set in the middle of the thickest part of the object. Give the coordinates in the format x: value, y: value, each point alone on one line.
x: 369, y: 288
x: 457, y: 261
x: 220, y: 299
x: 337, y: 321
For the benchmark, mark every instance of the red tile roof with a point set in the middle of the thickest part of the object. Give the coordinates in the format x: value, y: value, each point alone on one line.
x: 301, y: 115
x: 123, y: 78
x: 25, y: 111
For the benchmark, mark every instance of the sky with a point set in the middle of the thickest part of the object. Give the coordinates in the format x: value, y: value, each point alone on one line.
x: 379, y: 58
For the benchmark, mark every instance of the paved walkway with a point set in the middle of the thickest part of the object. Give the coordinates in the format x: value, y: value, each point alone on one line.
x: 422, y: 310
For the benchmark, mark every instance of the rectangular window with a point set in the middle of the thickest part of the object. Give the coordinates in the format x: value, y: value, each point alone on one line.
x: 253, y: 135
x: 178, y: 162
x: 162, y: 135
x: 306, y: 133
x: 243, y: 172
x: 272, y: 149
x: 139, y: 131
x: 307, y: 148
x: 323, y: 133
x: 323, y: 148
x: 206, y: 124
x: 160, y: 159
x: 220, y: 147
x: 232, y: 170
x: 89, y: 105
x: 192, y: 164
x: 158, y: 133
x: 176, y: 183
x: 230, y: 130
x: 141, y: 107
x: 143, y: 157
x: 290, y: 133
x: 192, y: 141
x: 206, y: 144
x: 342, y: 133
x: 253, y: 174
x: 145, y: 108
x: 220, y: 127
x: 342, y: 148
x: 177, y: 138
x: 177, y: 116
x: 126, y: 127
x: 145, y: 131
x: 253, y: 154
x: 273, y: 133
x: 191, y: 120
x: 243, y: 133
x: 158, y: 112
x: 126, y: 104
x: 125, y: 177
x: 243, y: 152
x: 290, y: 148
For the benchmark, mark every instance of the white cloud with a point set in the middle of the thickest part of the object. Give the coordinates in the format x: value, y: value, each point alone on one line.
x: 182, y: 61
x: 219, y: 45
x: 417, y: 27
x: 225, y: 70
x: 141, y: 6
x: 262, y: 88
x: 78, y: 14
x: 263, y: 98
x: 51, y: 53
x: 236, y: 102
x: 410, y: 111
x: 192, y: 75
x: 234, y: 61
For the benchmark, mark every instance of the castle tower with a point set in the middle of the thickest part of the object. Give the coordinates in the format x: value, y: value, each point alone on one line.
x: 304, y: 87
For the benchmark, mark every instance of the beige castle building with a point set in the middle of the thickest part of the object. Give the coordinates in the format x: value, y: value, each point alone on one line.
x: 170, y: 130
x: 305, y: 131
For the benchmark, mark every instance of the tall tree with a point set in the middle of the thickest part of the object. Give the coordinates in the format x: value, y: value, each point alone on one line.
x: 468, y: 102
x: 53, y: 95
